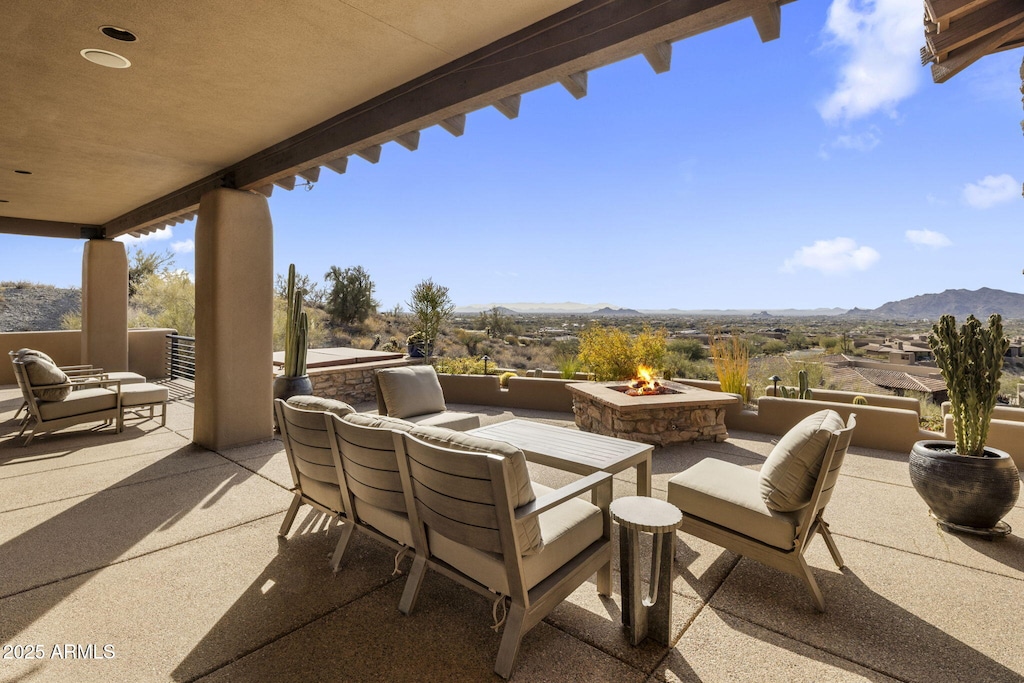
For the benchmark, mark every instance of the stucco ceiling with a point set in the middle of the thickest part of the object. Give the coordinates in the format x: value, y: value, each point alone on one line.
x: 211, y: 84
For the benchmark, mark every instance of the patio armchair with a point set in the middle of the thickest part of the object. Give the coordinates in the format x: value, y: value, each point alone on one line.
x: 371, y: 486
x: 479, y: 520
x: 315, y: 467
x: 53, y: 405
x: 413, y: 393
x: 771, y: 515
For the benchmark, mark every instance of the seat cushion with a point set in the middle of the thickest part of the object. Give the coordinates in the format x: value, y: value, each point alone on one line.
x: 452, y: 419
x: 80, y: 402
x: 321, y: 403
x: 566, y: 531
x: 412, y: 390
x: 126, y: 377
x: 144, y: 394
x: 42, y: 372
x: 791, y: 470
x: 728, y: 495
x: 378, y: 421
x: 394, y: 525
x: 530, y: 537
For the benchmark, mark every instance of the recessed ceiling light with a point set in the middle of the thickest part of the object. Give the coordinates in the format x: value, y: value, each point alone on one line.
x: 106, y: 58
x: 24, y: 172
x: 122, y: 34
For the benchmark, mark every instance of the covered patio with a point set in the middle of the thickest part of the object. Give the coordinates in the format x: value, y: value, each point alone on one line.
x: 168, y: 553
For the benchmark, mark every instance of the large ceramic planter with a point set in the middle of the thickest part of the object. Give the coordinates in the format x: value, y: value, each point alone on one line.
x: 964, y: 492
x: 286, y: 387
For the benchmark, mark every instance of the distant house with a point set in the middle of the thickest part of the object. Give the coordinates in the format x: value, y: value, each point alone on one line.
x: 865, y: 376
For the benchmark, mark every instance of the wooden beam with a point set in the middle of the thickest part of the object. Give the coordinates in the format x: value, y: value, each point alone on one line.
x: 659, y: 56
x: 286, y: 183
x: 456, y: 125
x: 960, y: 59
x: 509, y: 106
x: 943, y: 11
x: 371, y: 153
x: 576, y: 84
x: 339, y: 165
x: 411, y: 140
x: 27, y: 226
x: 973, y: 26
x: 311, y: 174
x: 582, y: 37
x: 768, y: 21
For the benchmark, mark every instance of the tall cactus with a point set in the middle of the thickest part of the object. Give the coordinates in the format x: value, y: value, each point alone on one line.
x: 804, y: 391
x: 971, y: 361
x: 296, y: 330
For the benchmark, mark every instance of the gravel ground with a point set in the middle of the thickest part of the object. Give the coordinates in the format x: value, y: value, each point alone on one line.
x: 36, y: 307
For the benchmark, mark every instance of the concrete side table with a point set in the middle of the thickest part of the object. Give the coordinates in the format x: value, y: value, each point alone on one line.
x: 650, y: 615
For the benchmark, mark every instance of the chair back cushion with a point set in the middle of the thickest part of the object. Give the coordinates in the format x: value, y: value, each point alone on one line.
x: 788, y: 475
x: 41, y: 372
x: 326, y: 405
x: 528, y: 531
x: 21, y: 353
x: 412, y: 390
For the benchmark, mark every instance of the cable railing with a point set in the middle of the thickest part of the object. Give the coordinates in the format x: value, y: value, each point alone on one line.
x: 181, y: 357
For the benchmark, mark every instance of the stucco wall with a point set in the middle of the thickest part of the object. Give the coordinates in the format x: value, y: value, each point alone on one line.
x: 882, y: 400
x: 145, y: 349
x: 523, y: 392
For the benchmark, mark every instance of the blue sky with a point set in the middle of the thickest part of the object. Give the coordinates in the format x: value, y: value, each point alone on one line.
x: 823, y: 169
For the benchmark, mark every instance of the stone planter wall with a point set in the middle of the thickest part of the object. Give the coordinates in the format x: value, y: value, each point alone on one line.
x: 349, y: 383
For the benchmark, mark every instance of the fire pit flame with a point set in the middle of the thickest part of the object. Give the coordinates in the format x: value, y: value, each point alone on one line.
x: 644, y: 383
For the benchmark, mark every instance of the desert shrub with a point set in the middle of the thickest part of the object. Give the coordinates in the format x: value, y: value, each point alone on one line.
x: 611, y: 353
x: 797, y: 341
x: 143, y: 264
x: 72, y: 320
x: 431, y: 308
x: 684, y: 368
x: 731, y: 359
x: 512, y: 340
x: 350, y: 299
x: 464, y: 366
x: 774, y: 347
x: 568, y: 367
x: 166, y: 299
x: 316, y: 337
x: 471, y: 339
x: 691, y: 349
x: 497, y: 323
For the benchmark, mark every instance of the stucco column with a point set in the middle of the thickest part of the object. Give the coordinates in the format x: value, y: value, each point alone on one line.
x: 105, y: 305
x: 234, y: 319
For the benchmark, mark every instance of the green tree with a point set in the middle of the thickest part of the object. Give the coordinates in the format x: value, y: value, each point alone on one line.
x: 498, y: 324
x: 689, y: 349
x: 166, y: 299
x: 351, y: 297
x: 431, y: 306
x: 142, y: 264
x: 315, y: 295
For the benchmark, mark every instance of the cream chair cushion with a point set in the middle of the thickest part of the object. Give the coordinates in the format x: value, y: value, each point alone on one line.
x: 144, y: 394
x: 530, y: 538
x: 565, y: 531
x: 323, y: 404
x: 413, y: 390
x: 378, y: 421
x: 450, y: 419
x: 788, y: 475
x: 729, y: 495
x: 80, y: 402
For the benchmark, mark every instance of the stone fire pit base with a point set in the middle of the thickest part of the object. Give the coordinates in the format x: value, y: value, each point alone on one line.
x: 690, y: 414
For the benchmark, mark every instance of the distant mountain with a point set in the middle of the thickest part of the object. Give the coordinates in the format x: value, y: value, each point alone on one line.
x: 620, y: 312
x: 757, y: 312
x: 567, y: 307
x: 959, y: 302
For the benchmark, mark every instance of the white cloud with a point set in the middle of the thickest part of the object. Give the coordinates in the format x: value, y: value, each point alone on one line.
x: 881, y: 41
x: 928, y: 238
x: 160, y: 235
x: 991, y: 190
x: 862, y: 142
x: 183, y: 247
x: 839, y: 255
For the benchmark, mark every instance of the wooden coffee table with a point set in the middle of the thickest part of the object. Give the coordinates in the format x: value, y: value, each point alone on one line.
x: 580, y: 453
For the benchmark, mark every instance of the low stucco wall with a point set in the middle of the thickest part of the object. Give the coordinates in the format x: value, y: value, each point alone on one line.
x: 1005, y: 432
x: 880, y: 400
x: 523, y: 392
x: 891, y: 429
x: 146, y: 349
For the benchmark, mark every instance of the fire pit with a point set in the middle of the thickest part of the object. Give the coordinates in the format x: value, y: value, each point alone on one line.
x: 659, y: 413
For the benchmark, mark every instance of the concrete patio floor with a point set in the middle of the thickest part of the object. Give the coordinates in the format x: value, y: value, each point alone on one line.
x: 168, y: 555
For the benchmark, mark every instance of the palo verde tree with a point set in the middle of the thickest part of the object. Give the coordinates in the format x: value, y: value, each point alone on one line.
x: 431, y: 306
x: 142, y: 264
x: 350, y: 299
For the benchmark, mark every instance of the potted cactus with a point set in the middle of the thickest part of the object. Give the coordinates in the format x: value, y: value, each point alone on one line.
x: 294, y: 381
x: 967, y: 485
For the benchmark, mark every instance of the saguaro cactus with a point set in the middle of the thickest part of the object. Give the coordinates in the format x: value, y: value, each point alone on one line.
x: 971, y: 361
x: 804, y: 391
x: 296, y: 331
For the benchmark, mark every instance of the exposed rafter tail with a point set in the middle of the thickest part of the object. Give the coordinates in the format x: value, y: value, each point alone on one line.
x: 659, y: 56
x: 576, y: 84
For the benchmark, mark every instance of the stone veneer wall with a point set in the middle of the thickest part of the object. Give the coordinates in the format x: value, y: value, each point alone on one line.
x: 350, y: 383
x: 658, y: 426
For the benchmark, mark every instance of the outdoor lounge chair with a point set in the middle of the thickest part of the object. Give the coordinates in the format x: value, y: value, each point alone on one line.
x: 53, y: 405
x: 413, y: 393
x: 478, y: 519
x: 315, y: 466
x: 770, y: 516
